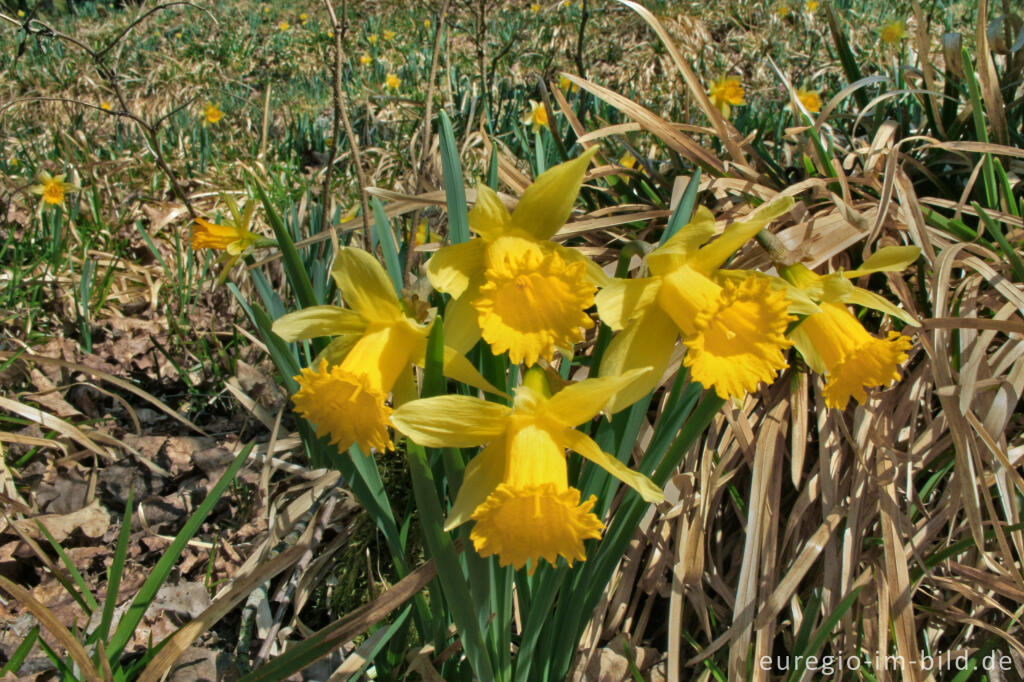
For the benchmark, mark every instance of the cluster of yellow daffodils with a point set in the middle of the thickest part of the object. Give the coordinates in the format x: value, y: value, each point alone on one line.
x: 517, y: 489
x: 375, y: 345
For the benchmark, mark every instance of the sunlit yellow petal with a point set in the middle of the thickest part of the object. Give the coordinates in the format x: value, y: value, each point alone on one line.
x: 489, y: 218
x: 684, y: 244
x: 736, y: 235
x: 887, y: 259
x: 580, y: 402
x: 457, y: 421
x: 457, y: 367
x: 870, y: 299
x: 319, y: 320
x: 383, y: 351
x: 207, y: 235
x: 453, y: 268
x: 532, y: 300
x: 583, y: 444
x: 365, y: 286
x: 546, y: 204
x: 461, y: 328
x: 647, y: 342
x: 624, y: 300
x: 482, y: 476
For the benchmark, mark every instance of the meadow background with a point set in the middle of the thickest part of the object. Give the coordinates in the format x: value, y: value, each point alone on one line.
x: 140, y: 380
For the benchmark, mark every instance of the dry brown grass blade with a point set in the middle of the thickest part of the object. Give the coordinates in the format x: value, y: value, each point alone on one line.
x: 59, y: 425
x: 979, y: 147
x: 45, y: 616
x: 654, y: 124
x: 726, y: 132
x: 995, y: 107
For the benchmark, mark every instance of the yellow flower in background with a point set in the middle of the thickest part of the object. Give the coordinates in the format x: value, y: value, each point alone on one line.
x: 389, y: 35
x: 567, y: 85
x: 12, y: 162
x: 426, y: 24
x: 303, y: 17
x: 366, y: 59
x: 266, y: 9
x: 513, y: 286
x: 178, y: 35
x: 422, y: 235
x: 734, y: 330
x: 893, y: 32
x: 392, y: 82
x: 810, y: 99
x: 726, y: 93
x: 235, y: 236
x: 812, y: 6
x: 834, y: 342
x: 536, y: 117
x: 372, y: 38
x: 517, y: 488
x: 51, y: 188
x: 535, y: 8
x: 628, y: 160
x: 345, y: 395
x: 330, y: 34
x: 782, y: 9
x: 212, y: 114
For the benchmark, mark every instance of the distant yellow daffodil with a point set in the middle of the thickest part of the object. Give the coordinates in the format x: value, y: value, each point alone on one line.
x: 810, y: 99
x: 366, y: 59
x: 212, y: 114
x: 535, y: 8
x: 345, y: 395
x: 536, y: 117
x: 392, y: 82
x: 893, y: 32
x: 734, y: 330
x: 426, y: 24
x: 303, y: 17
x: 389, y: 35
x: 51, y: 188
x: 422, y: 235
x: 812, y: 6
x: 105, y: 106
x: 726, y: 93
x: 178, y: 35
x: 234, y: 237
x: 12, y: 162
x: 834, y: 342
x: 513, y: 286
x: 566, y: 85
x: 628, y: 160
x: 372, y: 38
x: 266, y: 10
x: 284, y: 26
x: 782, y: 9
x: 517, y: 488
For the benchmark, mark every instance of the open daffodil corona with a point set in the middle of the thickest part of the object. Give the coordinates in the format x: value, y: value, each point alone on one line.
x: 834, y: 342
x: 733, y: 329
x: 376, y: 343
x: 516, y: 489
x: 513, y: 286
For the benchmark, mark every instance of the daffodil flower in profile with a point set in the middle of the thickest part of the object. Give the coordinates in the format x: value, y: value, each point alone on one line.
x: 52, y: 188
x: 517, y: 488
x: 513, y: 286
x: 834, y: 342
x: 536, y: 116
x: 234, y: 236
x: 376, y: 344
x: 734, y: 330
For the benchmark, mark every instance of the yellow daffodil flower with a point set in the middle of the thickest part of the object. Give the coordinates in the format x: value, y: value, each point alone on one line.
x: 303, y: 17
x: 389, y: 35
x: 212, y: 114
x: 834, y: 342
x: 422, y: 235
x: 105, y: 106
x: 535, y: 8
x: 234, y: 237
x: 392, y: 82
x: 372, y: 38
x: 517, y: 488
x: 536, y: 117
x: 52, y: 188
x: 426, y: 24
x: 566, y: 85
x: 520, y: 291
x: 810, y: 99
x: 284, y: 26
x: 366, y: 59
x: 628, y: 160
x: 812, y: 6
x: 12, y: 162
x: 893, y: 32
x: 782, y: 9
x: 726, y: 93
x: 734, y: 330
x: 376, y: 344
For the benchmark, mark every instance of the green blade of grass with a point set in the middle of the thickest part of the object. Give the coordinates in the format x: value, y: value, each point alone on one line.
x: 82, y: 595
x: 298, y: 278
x: 116, y: 570
x: 386, y: 237
x: 21, y: 653
x: 454, y: 190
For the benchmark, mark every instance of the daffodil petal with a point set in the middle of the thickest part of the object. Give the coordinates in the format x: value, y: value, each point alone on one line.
x: 595, y: 275
x: 870, y: 299
x: 457, y: 367
x: 489, y: 218
x: 337, y: 350
x: 547, y: 203
x: 684, y: 244
x: 887, y: 259
x: 583, y: 444
x: 580, y: 402
x: 318, y: 320
x: 483, y: 474
x: 404, y: 390
x: 624, y: 300
x: 802, y: 342
x: 454, y: 268
x: 456, y: 421
x: 736, y: 235
x: 647, y: 342
x: 461, y: 328
x: 365, y: 286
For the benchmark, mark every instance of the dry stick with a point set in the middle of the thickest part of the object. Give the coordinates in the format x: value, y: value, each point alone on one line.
x: 428, y: 114
x: 579, y: 41
x: 341, y: 113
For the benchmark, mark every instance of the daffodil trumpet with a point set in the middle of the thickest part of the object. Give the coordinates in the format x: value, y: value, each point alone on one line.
x: 512, y: 285
x: 516, y: 489
x: 833, y: 341
x: 376, y: 343
x: 733, y: 328
x: 235, y: 237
